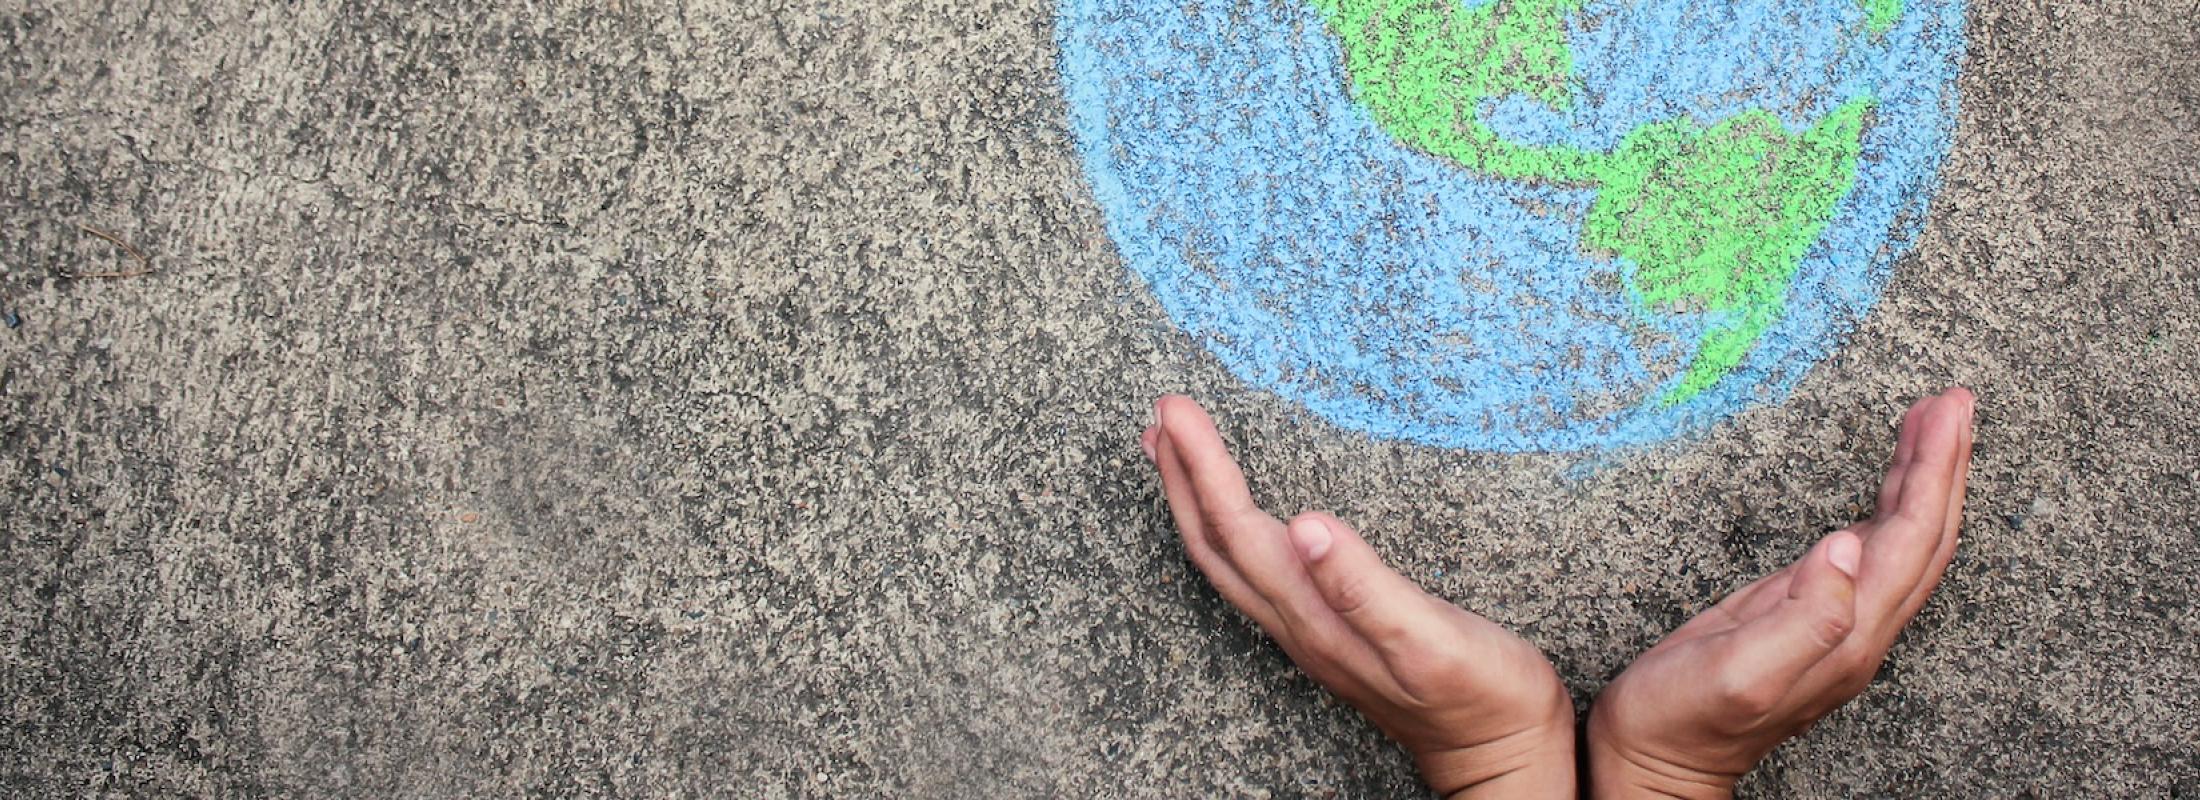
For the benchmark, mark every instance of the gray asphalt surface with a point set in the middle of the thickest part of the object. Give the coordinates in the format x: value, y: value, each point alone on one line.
x: 741, y: 400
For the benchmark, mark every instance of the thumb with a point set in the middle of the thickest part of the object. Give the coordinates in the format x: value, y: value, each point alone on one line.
x: 1816, y: 617
x: 1378, y: 603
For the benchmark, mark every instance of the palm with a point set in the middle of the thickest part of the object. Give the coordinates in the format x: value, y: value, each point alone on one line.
x: 1475, y: 705
x: 1467, y: 682
x: 1708, y: 702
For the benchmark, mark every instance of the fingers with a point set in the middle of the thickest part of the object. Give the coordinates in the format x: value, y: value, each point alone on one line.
x: 1751, y: 602
x: 1952, y: 522
x: 1246, y: 538
x: 1214, y: 475
x: 1905, y: 448
x: 1378, y: 603
x: 1245, y: 552
x: 1900, y: 547
x: 1771, y: 654
x: 1931, y: 473
x: 1199, y: 543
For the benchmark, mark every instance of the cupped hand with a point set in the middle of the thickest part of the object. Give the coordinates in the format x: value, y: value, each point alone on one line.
x: 1700, y: 709
x: 1480, y: 710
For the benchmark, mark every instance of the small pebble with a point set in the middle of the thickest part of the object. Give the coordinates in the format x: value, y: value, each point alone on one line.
x: 12, y: 319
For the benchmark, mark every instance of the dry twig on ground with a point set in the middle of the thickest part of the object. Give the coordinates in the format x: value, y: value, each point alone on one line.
x: 145, y: 265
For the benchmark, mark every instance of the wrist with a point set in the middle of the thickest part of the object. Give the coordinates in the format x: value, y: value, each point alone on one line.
x: 1617, y: 771
x: 1536, y: 761
x: 1531, y: 764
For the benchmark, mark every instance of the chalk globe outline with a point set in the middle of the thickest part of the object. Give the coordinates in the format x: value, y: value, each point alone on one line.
x: 1278, y: 269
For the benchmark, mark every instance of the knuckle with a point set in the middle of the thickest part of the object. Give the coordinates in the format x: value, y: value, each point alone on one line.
x: 1912, y: 522
x: 1350, y: 594
x: 1855, y: 665
x: 1324, y: 668
x: 1429, y: 677
x: 1222, y: 534
x: 1746, y: 694
x: 1321, y: 665
x: 1433, y: 663
x: 1861, y: 673
x: 1322, y: 642
x: 1213, y: 518
x: 1831, y: 628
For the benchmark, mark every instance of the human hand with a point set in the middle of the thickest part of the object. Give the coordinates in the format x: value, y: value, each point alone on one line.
x: 1480, y: 710
x: 1700, y: 709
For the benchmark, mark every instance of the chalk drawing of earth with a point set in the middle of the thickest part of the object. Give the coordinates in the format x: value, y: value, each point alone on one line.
x: 1519, y: 225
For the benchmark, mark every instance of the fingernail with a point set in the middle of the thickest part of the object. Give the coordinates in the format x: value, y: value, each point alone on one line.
x: 1145, y: 442
x: 1846, y: 552
x: 1311, y: 538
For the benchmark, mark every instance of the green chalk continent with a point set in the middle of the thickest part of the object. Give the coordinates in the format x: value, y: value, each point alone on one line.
x: 1713, y: 218
x: 1880, y: 15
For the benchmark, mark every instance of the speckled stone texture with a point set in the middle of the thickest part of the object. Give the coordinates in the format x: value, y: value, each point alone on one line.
x: 741, y: 400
